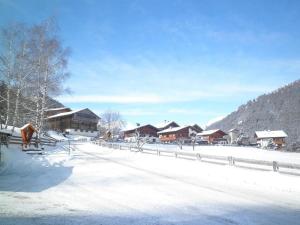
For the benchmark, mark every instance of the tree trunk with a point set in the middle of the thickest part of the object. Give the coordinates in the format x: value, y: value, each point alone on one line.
x: 16, y: 113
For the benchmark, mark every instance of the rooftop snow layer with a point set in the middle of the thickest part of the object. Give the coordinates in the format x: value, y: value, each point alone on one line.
x: 172, y: 129
x: 64, y: 114
x: 208, y: 132
x: 271, y: 134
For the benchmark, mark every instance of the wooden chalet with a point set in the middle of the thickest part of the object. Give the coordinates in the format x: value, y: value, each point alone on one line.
x: 83, y: 122
x: 211, y: 135
x: 277, y: 138
x: 175, y: 133
x: 144, y: 131
x: 166, y: 124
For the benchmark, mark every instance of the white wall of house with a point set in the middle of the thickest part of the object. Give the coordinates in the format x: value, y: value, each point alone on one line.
x: 82, y: 133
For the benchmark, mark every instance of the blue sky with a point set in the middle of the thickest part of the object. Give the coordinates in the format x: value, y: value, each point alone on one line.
x: 183, y: 60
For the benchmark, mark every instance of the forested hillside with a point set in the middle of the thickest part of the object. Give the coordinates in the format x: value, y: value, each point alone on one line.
x: 279, y: 110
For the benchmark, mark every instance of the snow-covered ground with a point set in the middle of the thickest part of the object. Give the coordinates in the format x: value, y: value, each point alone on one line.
x: 95, y: 185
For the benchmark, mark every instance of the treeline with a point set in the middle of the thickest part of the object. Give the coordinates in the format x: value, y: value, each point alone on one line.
x: 33, y: 66
x: 278, y: 110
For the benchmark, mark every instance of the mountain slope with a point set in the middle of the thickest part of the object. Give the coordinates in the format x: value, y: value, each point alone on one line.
x: 279, y: 110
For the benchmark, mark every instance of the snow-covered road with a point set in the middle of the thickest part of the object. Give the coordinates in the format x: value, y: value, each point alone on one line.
x: 97, y: 185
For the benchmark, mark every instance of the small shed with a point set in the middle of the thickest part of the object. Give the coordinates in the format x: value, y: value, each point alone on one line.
x: 211, y: 135
x: 26, y: 133
x: 276, y: 137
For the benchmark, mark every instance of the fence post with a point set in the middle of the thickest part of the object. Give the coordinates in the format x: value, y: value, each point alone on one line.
x: 275, y: 166
x: 158, y: 152
x: 198, y: 156
x: 230, y: 160
x: 175, y: 154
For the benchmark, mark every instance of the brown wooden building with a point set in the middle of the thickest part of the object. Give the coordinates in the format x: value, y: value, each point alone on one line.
x: 175, y: 133
x: 265, y: 138
x: 83, y: 120
x: 211, y: 135
x: 144, y: 131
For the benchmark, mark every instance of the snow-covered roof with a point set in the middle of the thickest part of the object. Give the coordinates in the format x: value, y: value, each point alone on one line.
x: 56, y: 109
x: 271, y: 134
x: 209, y: 132
x: 64, y: 114
x: 136, y: 127
x: 172, y: 129
x: 164, y: 124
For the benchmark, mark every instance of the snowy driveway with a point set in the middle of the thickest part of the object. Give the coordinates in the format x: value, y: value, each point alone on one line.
x: 102, y: 186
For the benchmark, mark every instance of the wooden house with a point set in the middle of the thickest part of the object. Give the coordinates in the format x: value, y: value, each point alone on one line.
x: 166, y: 124
x: 265, y: 138
x: 211, y: 136
x: 143, y: 130
x: 82, y: 122
x: 175, y: 133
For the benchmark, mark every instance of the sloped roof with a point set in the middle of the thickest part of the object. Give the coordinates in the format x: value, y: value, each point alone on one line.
x: 56, y: 109
x: 271, y: 134
x: 210, y: 132
x: 164, y: 124
x: 173, y: 129
x: 137, y: 127
x: 69, y: 113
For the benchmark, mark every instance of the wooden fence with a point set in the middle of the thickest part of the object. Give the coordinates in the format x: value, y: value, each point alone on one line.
x: 229, y: 160
x: 41, y: 141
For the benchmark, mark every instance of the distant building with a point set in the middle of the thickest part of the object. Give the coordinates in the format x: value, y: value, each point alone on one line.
x: 143, y: 130
x: 265, y: 138
x: 233, y: 135
x: 197, y: 128
x: 166, y: 124
x: 212, y: 136
x: 175, y: 133
x: 81, y: 122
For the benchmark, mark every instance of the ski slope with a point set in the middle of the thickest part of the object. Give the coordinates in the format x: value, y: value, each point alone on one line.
x: 95, y: 185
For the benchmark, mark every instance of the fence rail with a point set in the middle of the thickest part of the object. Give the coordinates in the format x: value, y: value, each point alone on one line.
x: 230, y: 160
x: 42, y: 141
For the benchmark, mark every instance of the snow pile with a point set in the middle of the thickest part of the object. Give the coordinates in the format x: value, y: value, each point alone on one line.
x: 56, y: 135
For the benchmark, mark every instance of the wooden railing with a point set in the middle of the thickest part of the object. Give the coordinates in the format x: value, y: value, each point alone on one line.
x: 41, y: 141
x: 229, y: 160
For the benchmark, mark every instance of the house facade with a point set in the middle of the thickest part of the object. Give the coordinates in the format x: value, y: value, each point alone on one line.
x: 143, y: 131
x: 212, y: 136
x: 173, y: 134
x: 82, y: 122
x: 267, y: 138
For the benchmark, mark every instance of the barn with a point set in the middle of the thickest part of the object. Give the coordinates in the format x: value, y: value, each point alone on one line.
x: 82, y: 122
